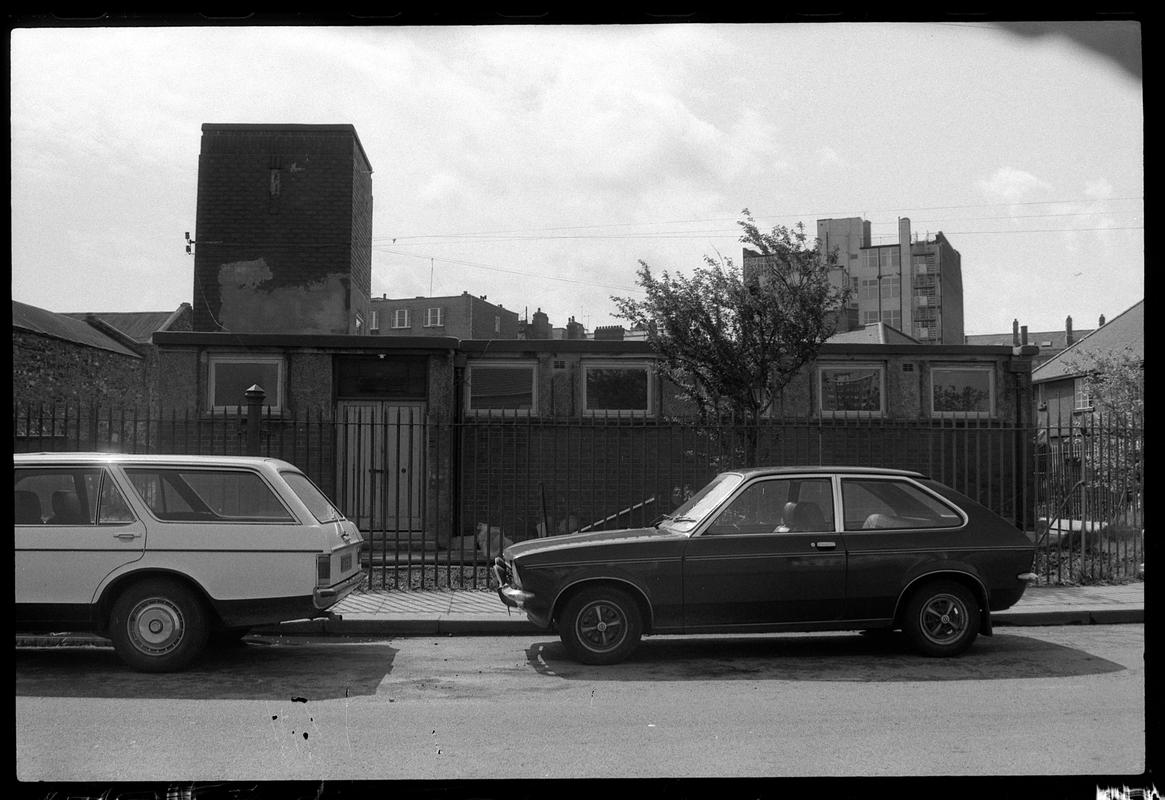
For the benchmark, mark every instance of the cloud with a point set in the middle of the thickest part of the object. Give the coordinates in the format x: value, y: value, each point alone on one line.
x: 1011, y: 185
x: 1099, y: 189
x: 828, y: 157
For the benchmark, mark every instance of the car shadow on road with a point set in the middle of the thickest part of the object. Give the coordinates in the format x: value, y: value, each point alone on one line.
x: 885, y: 657
x: 253, y: 669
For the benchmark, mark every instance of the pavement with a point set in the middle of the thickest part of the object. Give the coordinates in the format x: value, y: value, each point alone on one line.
x: 481, y: 613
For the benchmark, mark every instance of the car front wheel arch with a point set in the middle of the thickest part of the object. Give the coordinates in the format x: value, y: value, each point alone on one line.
x: 631, y: 589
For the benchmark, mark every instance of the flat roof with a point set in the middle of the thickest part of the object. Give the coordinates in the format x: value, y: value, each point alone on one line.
x: 291, y: 127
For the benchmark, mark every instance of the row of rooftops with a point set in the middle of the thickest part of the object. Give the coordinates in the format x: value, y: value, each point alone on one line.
x: 126, y: 333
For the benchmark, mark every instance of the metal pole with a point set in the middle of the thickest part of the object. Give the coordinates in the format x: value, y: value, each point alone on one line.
x: 254, y: 397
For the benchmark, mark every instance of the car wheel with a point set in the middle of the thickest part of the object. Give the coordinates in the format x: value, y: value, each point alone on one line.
x: 601, y: 625
x: 942, y: 618
x: 158, y: 626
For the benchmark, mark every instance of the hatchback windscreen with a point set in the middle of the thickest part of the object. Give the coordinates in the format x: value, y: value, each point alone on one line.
x: 699, y: 505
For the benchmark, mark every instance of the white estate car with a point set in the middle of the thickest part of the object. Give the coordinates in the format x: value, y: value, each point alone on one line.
x: 160, y: 553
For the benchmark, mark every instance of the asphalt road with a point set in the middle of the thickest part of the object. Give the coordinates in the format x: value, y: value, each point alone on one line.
x: 1030, y: 701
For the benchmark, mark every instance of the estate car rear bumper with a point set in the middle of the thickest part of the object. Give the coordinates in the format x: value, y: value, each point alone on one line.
x: 329, y: 596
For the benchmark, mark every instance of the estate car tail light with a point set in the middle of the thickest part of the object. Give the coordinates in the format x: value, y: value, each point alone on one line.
x: 324, y: 569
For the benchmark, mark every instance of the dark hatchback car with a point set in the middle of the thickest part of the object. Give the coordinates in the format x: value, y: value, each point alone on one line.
x: 780, y: 549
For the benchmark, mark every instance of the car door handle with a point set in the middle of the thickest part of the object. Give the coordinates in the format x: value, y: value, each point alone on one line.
x: 127, y: 536
x: 824, y: 545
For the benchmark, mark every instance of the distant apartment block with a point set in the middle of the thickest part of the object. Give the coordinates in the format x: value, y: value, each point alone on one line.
x: 461, y: 316
x: 914, y: 285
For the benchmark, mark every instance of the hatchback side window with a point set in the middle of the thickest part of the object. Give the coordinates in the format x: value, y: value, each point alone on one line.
x: 875, y: 504
x: 778, y: 506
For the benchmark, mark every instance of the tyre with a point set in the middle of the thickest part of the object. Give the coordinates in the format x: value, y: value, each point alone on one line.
x: 158, y: 625
x: 942, y: 618
x: 601, y: 625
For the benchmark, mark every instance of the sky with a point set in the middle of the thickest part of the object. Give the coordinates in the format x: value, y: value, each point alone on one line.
x: 538, y: 165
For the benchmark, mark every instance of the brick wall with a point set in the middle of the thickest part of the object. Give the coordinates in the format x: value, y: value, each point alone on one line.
x: 48, y: 370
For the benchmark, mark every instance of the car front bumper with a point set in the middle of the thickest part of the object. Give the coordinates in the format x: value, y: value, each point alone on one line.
x: 514, y: 597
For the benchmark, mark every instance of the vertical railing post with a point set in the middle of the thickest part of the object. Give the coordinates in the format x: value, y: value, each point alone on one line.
x: 254, y: 397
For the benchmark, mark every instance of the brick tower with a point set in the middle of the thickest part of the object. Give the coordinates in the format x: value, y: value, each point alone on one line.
x: 283, y: 242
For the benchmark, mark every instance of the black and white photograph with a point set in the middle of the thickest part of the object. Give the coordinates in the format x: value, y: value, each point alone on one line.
x: 505, y: 403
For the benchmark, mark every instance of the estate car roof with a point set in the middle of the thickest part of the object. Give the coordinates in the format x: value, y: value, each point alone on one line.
x: 751, y: 472
x: 130, y: 458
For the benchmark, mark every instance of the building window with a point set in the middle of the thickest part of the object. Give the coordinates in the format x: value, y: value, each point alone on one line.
x: 497, y: 323
x: 500, y: 388
x: 375, y: 320
x: 400, y: 318
x: 852, y: 389
x: 434, y: 317
x: 617, y: 388
x: 891, y: 286
x: 893, y: 319
x: 869, y: 316
x: 359, y: 324
x: 229, y: 376
x: 962, y: 391
x: 1081, y: 395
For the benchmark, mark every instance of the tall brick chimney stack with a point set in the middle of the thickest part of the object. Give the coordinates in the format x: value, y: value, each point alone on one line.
x: 1069, y: 338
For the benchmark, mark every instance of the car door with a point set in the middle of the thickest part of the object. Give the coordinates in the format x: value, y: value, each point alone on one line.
x: 771, y: 555
x: 73, y: 527
x: 893, y: 528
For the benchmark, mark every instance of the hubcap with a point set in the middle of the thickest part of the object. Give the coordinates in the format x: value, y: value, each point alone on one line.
x: 943, y: 619
x: 601, y: 626
x: 155, y: 626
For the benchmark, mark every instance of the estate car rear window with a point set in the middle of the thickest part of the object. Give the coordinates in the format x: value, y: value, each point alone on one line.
x: 872, y: 504
x: 315, y: 500
x: 176, y: 494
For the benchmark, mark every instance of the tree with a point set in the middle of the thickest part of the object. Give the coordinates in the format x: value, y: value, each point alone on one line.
x: 731, y: 341
x: 1114, y: 459
x: 1116, y: 385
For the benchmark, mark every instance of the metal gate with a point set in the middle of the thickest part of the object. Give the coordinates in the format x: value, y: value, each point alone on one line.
x: 380, y: 465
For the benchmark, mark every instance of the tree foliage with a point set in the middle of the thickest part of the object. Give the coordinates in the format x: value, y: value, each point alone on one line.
x: 1116, y: 385
x: 730, y: 340
x: 1114, y: 457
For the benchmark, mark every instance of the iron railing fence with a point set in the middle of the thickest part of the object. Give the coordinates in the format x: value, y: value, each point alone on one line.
x: 1090, y: 516
x: 438, y: 500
